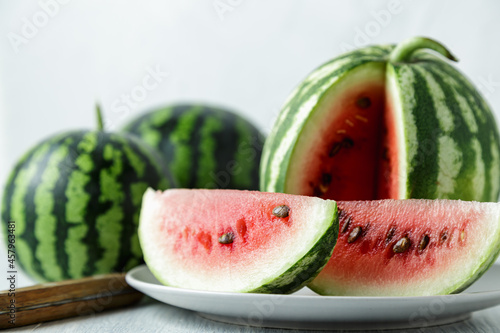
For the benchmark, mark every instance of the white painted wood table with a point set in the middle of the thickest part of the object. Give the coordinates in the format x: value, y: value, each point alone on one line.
x: 152, y: 316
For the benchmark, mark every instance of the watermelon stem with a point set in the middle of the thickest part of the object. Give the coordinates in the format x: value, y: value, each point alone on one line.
x: 406, y: 48
x: 100, y: 123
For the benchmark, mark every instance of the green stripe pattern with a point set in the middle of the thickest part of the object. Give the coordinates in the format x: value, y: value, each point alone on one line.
x: 204, y: 146
x: 450, y: 144
x: 451, y: 137
x: 75, y: 199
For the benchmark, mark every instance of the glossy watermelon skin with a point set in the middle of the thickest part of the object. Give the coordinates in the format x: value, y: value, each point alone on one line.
x: 203, y: 146
x: 448, y: 141
x: 75, y: 199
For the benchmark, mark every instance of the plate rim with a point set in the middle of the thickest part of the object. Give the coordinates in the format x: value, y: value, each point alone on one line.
x: 130, y: 277
x: 325, y: 312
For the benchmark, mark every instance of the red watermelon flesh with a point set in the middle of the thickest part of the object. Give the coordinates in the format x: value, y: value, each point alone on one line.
x: 352, y: 149
x: 410, y: 247
x: 229, y: 240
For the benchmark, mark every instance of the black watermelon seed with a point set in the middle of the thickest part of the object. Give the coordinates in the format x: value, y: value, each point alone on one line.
x: 345, y: 226
x: 444, y: 236
x: 326, y: 178
x: 347, y: 143
x: 355, y: 233
x: 281, y: 211
x: 364, y: 102
x: 402, y: 245
x: 317, y: 192
x: 335, y: 149
x: 226, y: 238
x: 390, y: 234
x: 423, y: 243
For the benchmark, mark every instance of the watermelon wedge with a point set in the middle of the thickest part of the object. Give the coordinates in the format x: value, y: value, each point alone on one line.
x: 385, y: 122
x: 410, y: 247
x: 236, y: 241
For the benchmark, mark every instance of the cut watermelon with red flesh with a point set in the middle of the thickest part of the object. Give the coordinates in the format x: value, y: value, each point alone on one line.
x: 352, y: 148
x: 410, y: 247
x: 239, y: 241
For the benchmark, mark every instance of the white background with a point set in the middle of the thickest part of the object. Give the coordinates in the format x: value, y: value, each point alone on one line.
x: 247, y: 55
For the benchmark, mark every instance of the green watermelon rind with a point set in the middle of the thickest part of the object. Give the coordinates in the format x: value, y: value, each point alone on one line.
x: 82, y: 231
x: 308, y: 267
x: 203, y: 145
x: 302, y: 272
x: 450, y: 154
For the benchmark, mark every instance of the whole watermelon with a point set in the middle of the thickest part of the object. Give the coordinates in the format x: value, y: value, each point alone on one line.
x: 75, y: 200
x: 204, y: 146
x: 390, y: 121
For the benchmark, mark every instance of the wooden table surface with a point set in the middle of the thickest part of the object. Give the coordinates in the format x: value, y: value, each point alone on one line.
x: 152, y: 316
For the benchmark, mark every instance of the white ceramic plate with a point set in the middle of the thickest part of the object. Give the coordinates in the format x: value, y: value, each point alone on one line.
x: 307, y: 310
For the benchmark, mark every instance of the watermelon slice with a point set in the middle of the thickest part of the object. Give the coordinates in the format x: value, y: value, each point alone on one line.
x: 410, y: 247
x: 237, y: 241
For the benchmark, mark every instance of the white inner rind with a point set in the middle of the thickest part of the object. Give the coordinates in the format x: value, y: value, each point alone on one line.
x: 260, y: 265
x: 393, y: 98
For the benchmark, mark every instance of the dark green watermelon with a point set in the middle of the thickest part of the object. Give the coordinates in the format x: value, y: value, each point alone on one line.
x: 204, y: 146
x: 75, y: 199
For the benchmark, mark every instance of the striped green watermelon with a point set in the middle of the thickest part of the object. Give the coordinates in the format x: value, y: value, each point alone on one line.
x: 385, y: 122
x: 236, y: 241
x: 204, y: 146
x: 75, y: 199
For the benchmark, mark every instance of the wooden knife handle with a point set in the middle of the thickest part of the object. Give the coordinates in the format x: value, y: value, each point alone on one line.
x: 57, y: 300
